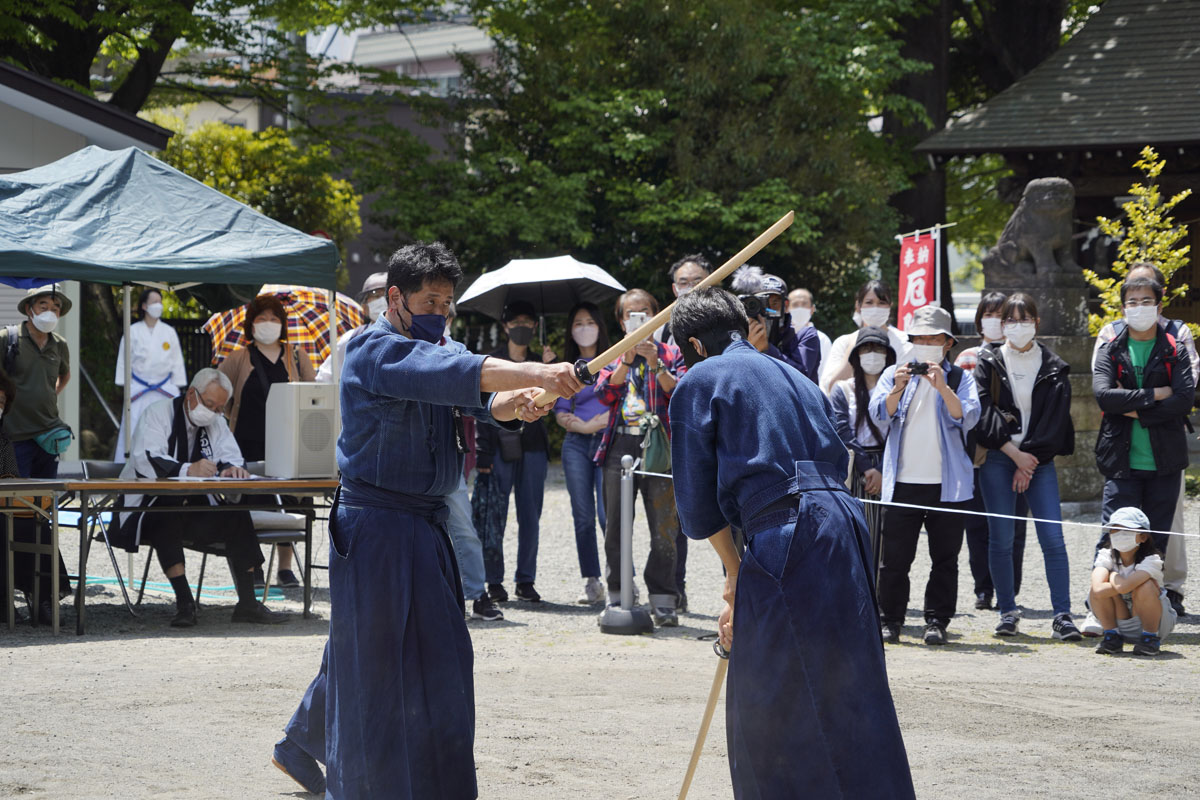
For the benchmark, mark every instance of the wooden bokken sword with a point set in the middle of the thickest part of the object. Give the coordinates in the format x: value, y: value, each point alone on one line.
x: 631, y: 341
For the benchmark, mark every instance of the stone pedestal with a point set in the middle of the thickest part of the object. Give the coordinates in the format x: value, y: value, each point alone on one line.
x: 1061, y: 300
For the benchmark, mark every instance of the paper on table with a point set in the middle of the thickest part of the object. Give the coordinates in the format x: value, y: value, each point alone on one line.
x: 214, y: 478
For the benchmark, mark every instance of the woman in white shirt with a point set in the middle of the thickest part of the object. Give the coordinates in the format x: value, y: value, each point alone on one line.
x: 1024, y: 422
x: 872, y: 308
x: 157, y: 364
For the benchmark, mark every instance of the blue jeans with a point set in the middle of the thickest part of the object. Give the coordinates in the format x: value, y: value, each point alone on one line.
x: 468, y: 550
x: 1156, y: 495
x: 33, y: 461
x: 585, y: 486
x: 995, y: 479
x: 977, y: 544
x: 526, y: 478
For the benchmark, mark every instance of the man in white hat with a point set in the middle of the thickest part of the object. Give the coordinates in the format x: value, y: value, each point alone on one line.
x: 924, y: 401
x: 373, y: 299
x: 39, y: 364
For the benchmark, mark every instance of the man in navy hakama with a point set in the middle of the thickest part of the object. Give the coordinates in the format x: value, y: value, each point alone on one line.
x: 808, y: 709
x: 400, y: 705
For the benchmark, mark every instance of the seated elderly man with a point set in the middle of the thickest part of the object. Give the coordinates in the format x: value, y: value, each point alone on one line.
x: 188, y: 437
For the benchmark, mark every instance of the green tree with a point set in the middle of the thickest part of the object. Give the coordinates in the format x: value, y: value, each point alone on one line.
x: 1148, y: 232
x: 193, y: 48
x: 267, y: 171
x: 632, y: 132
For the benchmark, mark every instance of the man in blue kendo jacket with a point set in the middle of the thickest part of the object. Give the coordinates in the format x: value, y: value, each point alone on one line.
x: 399, y: 705
x: 754, y: 446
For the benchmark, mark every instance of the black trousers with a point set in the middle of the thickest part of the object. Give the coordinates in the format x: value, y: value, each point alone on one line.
x: 901, y: 532
x: 230, y: 526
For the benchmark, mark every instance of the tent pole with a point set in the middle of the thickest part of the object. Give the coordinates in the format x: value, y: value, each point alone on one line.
x: 333, y: 337
x: 127, y: 314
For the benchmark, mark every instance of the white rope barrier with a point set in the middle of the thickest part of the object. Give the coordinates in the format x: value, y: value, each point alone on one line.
x: 972, y: 513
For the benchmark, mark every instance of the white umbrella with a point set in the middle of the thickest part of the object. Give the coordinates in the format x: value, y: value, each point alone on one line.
x: 552, y: 285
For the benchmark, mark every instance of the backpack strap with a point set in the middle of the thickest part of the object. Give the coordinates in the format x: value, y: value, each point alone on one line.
x: 954, y: 379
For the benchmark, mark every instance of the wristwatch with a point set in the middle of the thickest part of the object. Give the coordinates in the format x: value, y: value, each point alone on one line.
x: 660, y: 369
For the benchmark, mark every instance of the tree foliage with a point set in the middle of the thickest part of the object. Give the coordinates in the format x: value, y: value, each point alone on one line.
x: 215, y: 46
x: 634, y: 131
x: 267, y: 171
x: 1148, y: 232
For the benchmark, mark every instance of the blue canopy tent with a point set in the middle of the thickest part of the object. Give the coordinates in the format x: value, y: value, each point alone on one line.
x: 123, y: 217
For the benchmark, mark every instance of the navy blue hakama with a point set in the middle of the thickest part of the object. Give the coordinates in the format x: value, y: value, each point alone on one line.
x: 401, y: 702
x: 808, y: 709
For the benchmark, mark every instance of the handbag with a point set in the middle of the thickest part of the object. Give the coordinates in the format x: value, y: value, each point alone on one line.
x: 656, y: 449
x: 55, y: 441
x: 1009, y: 419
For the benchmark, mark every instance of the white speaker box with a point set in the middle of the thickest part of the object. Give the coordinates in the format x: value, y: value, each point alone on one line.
x: 302, y: 430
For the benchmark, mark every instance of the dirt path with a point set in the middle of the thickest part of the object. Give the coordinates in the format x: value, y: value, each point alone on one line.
x: 135, y: 709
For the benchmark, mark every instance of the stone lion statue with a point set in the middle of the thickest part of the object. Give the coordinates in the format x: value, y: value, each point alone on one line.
x: 1036, y: 243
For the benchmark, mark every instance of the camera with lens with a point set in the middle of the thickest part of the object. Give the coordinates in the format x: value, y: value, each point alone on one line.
x: 754, y: 305
x: 918, y: 368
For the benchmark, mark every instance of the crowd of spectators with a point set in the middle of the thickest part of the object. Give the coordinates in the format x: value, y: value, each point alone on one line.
x: 1000, y: 413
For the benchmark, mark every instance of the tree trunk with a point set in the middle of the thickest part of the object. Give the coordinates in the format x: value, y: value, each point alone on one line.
x: 926, y: 37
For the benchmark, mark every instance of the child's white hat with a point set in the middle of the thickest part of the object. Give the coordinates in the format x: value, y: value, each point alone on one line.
x: 1129, y: 517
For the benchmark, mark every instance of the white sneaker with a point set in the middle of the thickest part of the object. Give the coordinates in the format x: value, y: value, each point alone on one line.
x: 593, y: 592
x: 1091, y: 626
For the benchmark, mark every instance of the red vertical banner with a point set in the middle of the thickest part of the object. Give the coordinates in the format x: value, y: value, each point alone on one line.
x: 918, y: 275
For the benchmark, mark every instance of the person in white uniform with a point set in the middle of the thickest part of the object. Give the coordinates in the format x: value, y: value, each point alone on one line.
x: 157, y: 364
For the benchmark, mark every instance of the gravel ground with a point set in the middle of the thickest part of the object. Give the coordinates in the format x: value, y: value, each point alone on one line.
x: 135, y: 709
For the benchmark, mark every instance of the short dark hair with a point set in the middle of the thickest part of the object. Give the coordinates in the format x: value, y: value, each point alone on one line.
x: 710, y: 309
x: 632, y: 293
x: 1142, y: 283
x: 695, y: 258
x: 1021, y: 303
x: 1158, y: 275
x: 265, y: 302
x: 518, y: 308
x: 878, y: 288
x: 990, y: 303
x: 414, y: 265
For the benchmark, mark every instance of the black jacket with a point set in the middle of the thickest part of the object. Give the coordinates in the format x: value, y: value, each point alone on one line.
x: 492, y: 442
x: 1117, y: 392
x: 1049, y: 431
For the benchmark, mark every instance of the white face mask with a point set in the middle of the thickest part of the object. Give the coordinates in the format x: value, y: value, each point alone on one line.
x: 1124, y: 541
x: 1019, y: 334
x: 46, y: 321
x: 857, y: 317
x: 927, y: 352
x: 1141, y: 318
x: 801, y: 317
x: 154, y: 310
x: 990, y: 328
x: 585, y: 335
x: 876, y: 316
x: 267, y: 332
x: 202, y: 416
x: 376, y: 307
x: 872, y: 363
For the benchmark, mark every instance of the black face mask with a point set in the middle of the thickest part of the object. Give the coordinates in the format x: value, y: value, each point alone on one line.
x: 714, y: 345
x: 520, y: 335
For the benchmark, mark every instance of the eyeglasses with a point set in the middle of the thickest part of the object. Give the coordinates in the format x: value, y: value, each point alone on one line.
x: 1145, y: 302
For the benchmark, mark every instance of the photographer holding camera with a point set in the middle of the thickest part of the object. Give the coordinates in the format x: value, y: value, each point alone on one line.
x: 923, y: 401
x: 764, y: 298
